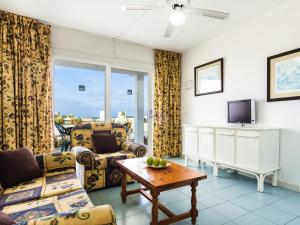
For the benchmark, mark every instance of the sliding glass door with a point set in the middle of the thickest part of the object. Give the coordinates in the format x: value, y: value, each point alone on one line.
x: 86, y: 92
x: 129, y: 102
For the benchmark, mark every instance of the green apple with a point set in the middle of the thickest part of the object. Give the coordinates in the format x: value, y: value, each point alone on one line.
x: 149, y: 161
x: 163, y: 162
x: 156, y: 162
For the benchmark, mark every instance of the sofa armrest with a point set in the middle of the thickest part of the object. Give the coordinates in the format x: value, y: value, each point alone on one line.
x: 84, y: 156
x: 137, y: 149
x: 58, y: 161
x: 99, y: 215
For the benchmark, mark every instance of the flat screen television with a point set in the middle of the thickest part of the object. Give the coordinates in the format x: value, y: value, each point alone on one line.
x: 241, y: 111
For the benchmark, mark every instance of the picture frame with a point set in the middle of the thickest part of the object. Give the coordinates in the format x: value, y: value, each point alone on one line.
x: 208, y: 78
x: 283, y: 76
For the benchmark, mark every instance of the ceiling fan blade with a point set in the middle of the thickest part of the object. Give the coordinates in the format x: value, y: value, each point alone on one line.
x: 208, y: 13
x: 140, y: 7
x: 169, y: 30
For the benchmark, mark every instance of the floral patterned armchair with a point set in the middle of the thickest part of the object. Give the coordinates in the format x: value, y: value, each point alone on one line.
x: 99, y: 170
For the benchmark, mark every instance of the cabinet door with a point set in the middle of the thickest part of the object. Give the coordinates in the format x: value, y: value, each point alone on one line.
x: 247, y: 151
x: 190, y: 141
x: 206, y: 143
x: 225, y: 146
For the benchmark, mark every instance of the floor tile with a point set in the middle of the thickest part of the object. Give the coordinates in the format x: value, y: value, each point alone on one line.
x: 171, y: 196
x: 278, y: 191
x: 295, y: 222
x: 230, y: 223
x: 128, y: 209
x: 209, y: 217
x: 210, y: 199
x: 287, y: 206
x: 229, y: 210
x: 252, y: 219
x: 254, y: 200
x: 185, y: 205
x: 275, y: 215
x: 236, y: 191
x: 140, y: 219
x: 294, y: 198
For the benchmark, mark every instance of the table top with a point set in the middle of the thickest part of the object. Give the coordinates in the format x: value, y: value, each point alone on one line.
x: 171, y: 176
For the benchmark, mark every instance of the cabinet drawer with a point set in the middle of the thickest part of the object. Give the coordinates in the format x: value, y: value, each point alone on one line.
x: 225, y: 132
x: 190, y: 129
x: 247, y: 134
x: 206, y: 131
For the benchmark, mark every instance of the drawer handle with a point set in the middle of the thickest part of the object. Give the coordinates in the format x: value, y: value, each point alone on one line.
x: 242, y: 136
x: 226, y: 134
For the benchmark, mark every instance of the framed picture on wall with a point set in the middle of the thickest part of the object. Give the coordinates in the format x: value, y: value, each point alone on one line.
x: 209, y: 78
x: 284, y: 76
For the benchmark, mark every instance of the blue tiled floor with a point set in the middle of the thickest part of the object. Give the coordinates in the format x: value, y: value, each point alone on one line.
x: 229, y: 199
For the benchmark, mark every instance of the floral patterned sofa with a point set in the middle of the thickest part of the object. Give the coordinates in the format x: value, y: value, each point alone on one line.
x: 55, y: 198
x: 99, y: 170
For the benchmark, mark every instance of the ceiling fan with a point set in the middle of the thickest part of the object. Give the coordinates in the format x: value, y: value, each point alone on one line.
x: 179, y: 10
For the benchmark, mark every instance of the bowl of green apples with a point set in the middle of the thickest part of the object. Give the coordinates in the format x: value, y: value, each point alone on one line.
x: 157, y: 163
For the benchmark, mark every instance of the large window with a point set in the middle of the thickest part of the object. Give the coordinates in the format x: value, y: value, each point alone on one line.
x: 81, y: 95
x: 79, y: 92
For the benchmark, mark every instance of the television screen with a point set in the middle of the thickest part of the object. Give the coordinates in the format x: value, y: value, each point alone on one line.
x: 239, y: 111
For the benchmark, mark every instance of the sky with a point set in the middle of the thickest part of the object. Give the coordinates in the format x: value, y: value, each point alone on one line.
x: 89, y: 103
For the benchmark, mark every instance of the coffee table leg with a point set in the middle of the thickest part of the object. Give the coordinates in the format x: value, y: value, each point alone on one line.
x: 194, y: 210
x: 154, y: 208
x: 124, y: 183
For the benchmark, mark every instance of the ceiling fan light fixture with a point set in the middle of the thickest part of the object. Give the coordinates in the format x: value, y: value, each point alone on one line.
x: 177, y: 18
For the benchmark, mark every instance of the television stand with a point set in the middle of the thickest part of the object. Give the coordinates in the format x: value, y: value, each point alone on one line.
x: 249, y: 150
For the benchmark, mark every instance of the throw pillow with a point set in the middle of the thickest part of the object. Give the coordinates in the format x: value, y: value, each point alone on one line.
x: 5, y: 219
x: 18, y: 166
x: 105, y: 143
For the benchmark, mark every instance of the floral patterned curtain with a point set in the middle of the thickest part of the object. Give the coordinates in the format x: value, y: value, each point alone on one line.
x: 25, y: 84
x: 167, y: 103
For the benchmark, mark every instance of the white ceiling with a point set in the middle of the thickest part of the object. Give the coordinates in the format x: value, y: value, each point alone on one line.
x: 104, y: 17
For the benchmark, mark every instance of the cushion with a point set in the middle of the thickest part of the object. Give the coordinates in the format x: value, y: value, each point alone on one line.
x: 5, y: 219
x: 51, y: 184
x: 18, y: 166
x: 48, y: 206
x: 105, y: 143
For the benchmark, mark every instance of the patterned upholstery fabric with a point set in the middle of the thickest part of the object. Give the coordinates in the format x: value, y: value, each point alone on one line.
x: 99, y: 170
x: 103, y: 172
x: 50, y: 184
x: 55, y: 198
x: 82, y: 133
x: 137, y: 149
x: 99, y: 215
x: 60, y: 160
x: 48, y: 206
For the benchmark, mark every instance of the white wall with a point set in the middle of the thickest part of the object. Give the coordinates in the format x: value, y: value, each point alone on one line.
x: 79, y: 44
x: 245, y: 50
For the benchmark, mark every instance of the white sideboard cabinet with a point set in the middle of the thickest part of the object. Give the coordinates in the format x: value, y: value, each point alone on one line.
x: 249, y: 150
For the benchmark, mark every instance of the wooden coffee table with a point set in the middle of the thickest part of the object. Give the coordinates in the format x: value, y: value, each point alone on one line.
x: 157, y: 181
